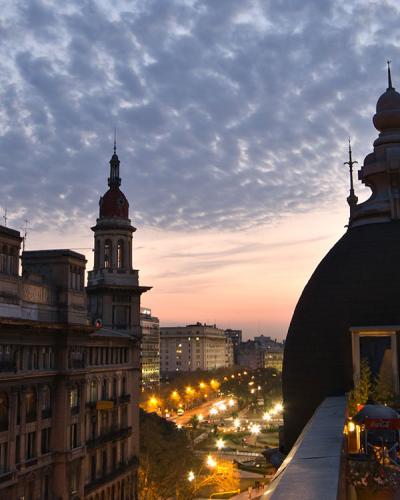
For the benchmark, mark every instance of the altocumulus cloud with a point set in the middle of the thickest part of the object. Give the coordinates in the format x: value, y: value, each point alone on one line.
x: 229, y: 113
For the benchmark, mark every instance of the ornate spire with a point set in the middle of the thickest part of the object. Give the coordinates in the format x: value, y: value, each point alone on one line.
x: 390, y: 86
x: 352, y: 198
x: 114, y: 180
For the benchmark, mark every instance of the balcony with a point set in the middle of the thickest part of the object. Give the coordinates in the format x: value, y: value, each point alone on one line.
x: 30, y: 417
x: 112, y: 434
x: 122, y: 468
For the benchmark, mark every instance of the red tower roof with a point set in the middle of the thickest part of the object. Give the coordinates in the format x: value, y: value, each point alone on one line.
x: 114, y: 204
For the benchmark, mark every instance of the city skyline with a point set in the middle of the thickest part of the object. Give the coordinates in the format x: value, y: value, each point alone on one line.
x: 232, y: 133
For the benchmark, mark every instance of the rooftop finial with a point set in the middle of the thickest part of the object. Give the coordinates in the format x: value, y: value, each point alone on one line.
x: 390, y: 86
x: 115, y: 140
x: 352, y: 198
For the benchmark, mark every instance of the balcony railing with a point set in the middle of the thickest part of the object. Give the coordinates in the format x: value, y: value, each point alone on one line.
x: 122, y: 468
x: 314, y: 464
x: 113, y: 433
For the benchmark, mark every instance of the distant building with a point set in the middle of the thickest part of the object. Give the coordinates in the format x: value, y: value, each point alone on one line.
x: 193, y: 347
x: 236, y: 338
x: 229, y: 352
x: 250, y: 355
x: 273, y: 357
x: 150, y: 349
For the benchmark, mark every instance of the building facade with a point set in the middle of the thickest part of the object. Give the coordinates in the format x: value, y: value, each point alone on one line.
x: 193, y: 347
x: 273, y: 358
x: 150, y: 350
x: 66, y: 422
x: 69, y: 385
x: 250, y: 355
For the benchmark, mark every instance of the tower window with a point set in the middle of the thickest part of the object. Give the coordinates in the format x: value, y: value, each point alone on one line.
x: 120, y: 254
x: 107, y: 254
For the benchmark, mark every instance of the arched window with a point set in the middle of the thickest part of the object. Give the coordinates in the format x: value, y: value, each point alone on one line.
x: 30, y: 405
x: 120, y: 254
x: 104, y: 391
x: 107, y: 254
x: 93, y: 390
x: 46, y: 402
x: 74, y: 398
x: 97, y: 254
x: 3, y: 411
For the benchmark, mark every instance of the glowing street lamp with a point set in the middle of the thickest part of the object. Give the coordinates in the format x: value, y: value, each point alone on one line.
x: 231, y: 402
x: 211, y: 462
x: 200, y: 417
x: 220, y: 443
x: 278, y: 407
x: 213, y: 411
x: 236, y: 422
x: 191, y: 476
x: 267, y: 417
x: 255, y: 429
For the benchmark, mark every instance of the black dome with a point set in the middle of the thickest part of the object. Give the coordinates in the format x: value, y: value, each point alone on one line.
x: 356, y: 284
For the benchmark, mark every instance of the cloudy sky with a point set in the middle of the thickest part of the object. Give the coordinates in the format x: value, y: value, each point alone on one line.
x: 232, y: 118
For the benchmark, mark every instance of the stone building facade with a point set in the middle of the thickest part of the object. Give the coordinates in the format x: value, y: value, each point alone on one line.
x: 194, y: 347
x: 69, y: 385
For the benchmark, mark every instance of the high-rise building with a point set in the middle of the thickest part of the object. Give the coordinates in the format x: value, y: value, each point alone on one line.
x: 349, y: 309
x: 193, y: 347
x: 150, y: 350
x: 67, y: 411
x: 235, y: 337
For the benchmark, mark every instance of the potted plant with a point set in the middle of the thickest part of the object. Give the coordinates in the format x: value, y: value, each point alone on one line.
x: 374, y: 481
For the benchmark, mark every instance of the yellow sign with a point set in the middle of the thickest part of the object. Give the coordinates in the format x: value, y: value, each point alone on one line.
x: 104, y: 405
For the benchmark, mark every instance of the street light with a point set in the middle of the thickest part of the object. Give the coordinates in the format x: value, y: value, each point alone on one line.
x: 211, y: 462
x: 220, y: 443
x: 255, y: 429
x: 267, y: 417
x: 191, y: 476
x: 236, y: 422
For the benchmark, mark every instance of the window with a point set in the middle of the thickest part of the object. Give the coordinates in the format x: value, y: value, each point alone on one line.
x: 120, y: 254
x: 74, y: 481
x: 45, y: 440
x: 93, y: 467
x: 73, y: 436
x: 114, y: 388
x: 30, y: 445
x: 107, y: 254
x: 3, y: 411
x: 46, y: 402
x: 93, y: 390
x: 74, y: 399
x: 104, y: 391
x: 3, y: 458
x: 30, y: 405
x: 123, y: 389
x: 104, y: 462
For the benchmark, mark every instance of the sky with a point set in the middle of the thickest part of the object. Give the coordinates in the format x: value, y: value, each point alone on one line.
x: 232, y: 120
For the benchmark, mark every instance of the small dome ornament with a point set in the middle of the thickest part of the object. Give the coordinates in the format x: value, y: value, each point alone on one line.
x: 387, y: 115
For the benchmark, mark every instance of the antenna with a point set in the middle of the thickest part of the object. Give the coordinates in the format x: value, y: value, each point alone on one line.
x: 25, y: 234
x: 115, y: 140
x: 5, y: 217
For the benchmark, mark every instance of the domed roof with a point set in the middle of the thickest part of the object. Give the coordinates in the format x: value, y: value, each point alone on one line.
x: 114, y: 204
x: 356, y: 284
x: 388, y: 108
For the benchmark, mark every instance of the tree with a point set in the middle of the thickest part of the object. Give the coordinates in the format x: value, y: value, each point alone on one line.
x: 383, y: 389
x: 166, y: 458
x: 362, y: 389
